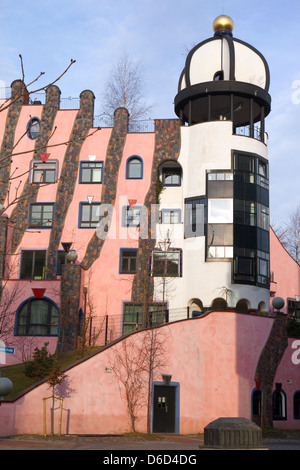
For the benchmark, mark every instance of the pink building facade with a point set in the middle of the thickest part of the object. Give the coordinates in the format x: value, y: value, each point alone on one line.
x: 105, y: 231
x: 205, y: 382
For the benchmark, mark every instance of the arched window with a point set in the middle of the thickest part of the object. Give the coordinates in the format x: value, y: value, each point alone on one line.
x: 33, y: 128
x: 256, y: 403
x: 134, y: 168
x: 219, y: 75
x: 279, y: 403
x: 297, y: 405
x: 37, y: 317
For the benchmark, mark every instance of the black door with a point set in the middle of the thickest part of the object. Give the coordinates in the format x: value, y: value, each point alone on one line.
x: 164, y: 408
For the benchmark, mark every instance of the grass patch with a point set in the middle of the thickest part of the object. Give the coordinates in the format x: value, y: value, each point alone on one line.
x: 16, y: 373
x: 281, y: 433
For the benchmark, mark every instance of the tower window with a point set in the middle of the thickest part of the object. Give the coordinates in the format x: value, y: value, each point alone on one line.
x: 219, y: 75
x: 220, y: 211
x: 195, y: 217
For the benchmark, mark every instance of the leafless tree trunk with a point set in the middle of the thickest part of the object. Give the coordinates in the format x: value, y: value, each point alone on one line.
x: 136, y: 364
x: 127, y: 364
x: 153, y: 362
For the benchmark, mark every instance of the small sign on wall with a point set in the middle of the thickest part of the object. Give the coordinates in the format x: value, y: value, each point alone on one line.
x: 108, y: 370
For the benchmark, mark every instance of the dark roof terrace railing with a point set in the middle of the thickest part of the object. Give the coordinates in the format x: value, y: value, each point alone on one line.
x: 100, y: 120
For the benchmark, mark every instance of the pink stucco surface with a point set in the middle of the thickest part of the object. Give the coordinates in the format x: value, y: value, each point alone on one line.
x: 213, y: 359
x: 286, y: 272
x: 288, y: 374
x: 15, y: 293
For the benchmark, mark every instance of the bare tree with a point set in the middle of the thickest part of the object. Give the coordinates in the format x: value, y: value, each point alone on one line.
x: 12, y: 193
x: 136, y: 364
x: 127, y: 363
x: 153, y: 362
x: 289, y: 234
x: 124, y: 88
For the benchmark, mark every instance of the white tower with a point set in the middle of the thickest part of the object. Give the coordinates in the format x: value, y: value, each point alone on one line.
x: 222, y: 102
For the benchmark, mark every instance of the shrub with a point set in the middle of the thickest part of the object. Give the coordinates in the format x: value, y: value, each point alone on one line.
x: 293, y: 328
x: 41, y: 364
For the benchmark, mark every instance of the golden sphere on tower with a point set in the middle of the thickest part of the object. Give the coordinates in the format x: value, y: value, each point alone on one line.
x: 223, y: 22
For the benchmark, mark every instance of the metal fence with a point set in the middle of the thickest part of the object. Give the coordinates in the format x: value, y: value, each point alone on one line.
x: 102, y: 330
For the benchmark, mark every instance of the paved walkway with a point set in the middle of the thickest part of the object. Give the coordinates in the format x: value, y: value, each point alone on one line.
x: 162, y: 442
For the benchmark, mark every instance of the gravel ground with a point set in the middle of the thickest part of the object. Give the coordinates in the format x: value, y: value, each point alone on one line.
x: 162, y: 443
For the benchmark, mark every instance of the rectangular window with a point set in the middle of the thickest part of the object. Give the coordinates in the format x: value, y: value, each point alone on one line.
x: 131, y: 216
x: 128, y: 261
x: 166, y: 264
x: 91, y: 172
x: 244, y: 212
x: 133, y: 315
x: 41, y: 215
x: 170, y: 216
x: 33, y: 264
x: 89, y: 215
x: 262, y: 216
x: 244, y: 162
x: 44, y: 172
x: 220, y: 211
x: 195, y: 217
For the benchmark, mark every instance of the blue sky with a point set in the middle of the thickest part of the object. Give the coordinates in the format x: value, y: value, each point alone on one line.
x: 50, y: 33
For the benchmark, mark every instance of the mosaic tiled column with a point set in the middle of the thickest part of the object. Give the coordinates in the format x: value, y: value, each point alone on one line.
x: 269, y: 361
x: 68, y: 177
x: 167, y: 146
x: 110, y: 180
x: 29, y: 193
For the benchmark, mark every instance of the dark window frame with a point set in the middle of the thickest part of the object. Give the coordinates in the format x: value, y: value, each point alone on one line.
x: 33, y: 265
x: 296, y: 404
x: 126, y: 215
x: 174, y: 172
x: 25, y: 311
x: 279, y: 404
x: 33, y: 134
x: 133, y: 318
x: 126, y: 257
x: 41, y: 224
x: 131, y: 161
x: 91, y: 223
x: 92, y: 166
x: 49, y: 167
x: 170, y: 213
x: 166, y: 263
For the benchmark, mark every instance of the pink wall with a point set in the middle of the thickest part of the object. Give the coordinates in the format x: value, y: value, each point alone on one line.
x: 286, y: 272
x: 16, y: 292
x: 288, y: 374
x: 213, y: 359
